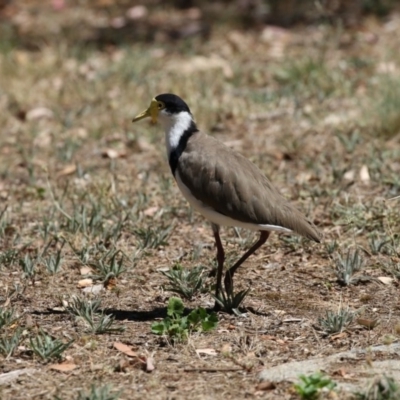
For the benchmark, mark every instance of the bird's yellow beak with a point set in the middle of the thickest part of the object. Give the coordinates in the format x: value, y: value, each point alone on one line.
x: 151, y: 112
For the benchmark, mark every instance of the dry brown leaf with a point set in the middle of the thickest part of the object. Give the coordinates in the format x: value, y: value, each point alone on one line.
x: 368, y: 323
x: 340, y: 335
x: 67, y: 170
x: 385, y: 280
x: 85, y: 283
x: 63, y: 367
x: 209, y: 352
x: 150, y: 211
x: 95, y: 289
x: 110, y: 153
x: 267, y: 385
x: 113, y: 154
x: 150, y: 364
x: 349, y: 175
x: 38, y: 113
x: 124, y: 348
x: 364, y: 174
x: 85, y: 270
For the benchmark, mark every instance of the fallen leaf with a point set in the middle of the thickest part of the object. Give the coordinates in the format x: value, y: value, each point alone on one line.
x: 95, y: 289
x: 110, y: 153
x: 39, y: 113
x: 68, y: 170
x: 340, y: 335
x: 63, y: 367
x: 150, y: 211
x: 349, y: 175
x: 150, y: 364
x: 267, y: 385
x: 85, y: 283
x: 85, y: 270
x: 124, y: 348
x: 368, y: 323
x: 113, y: 154
x: 385, y: 280
x: 364, y: 174
x: 210, y: 352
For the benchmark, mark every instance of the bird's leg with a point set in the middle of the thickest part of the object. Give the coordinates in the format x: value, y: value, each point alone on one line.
x: 228, y: 282
x: 220, y: 260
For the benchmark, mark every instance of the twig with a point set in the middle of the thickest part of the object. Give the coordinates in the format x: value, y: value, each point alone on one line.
x: 208, y: 369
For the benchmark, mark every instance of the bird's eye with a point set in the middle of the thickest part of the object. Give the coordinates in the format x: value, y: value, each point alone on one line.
x: 160, y: 106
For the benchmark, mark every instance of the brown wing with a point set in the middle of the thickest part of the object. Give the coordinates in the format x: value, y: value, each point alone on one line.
x: 235, y: 187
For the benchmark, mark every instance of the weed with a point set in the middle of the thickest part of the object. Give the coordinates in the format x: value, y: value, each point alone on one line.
x: 348, y: 266
x: 378, y: 244
x: 186, y: 282
x: 99, y: 393
x: 89, y: 311
x: 178, y: 327
x: 381, y: 388
x: 9, y: 344
x: 311, y: 386
x: 7, y: 317
x: 151, y: 238
x: 230, y: 302
x: 331, y: 247
x: 351, y: 141
x: 393, y: 269
x: 53, y: 263
x: 8, y: 257
x: 109, y: 265
x: 335, y: 322
x: 47, y: 348
x: 28, y: 266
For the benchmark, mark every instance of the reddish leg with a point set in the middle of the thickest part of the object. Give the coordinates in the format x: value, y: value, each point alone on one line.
x: 228, y: 281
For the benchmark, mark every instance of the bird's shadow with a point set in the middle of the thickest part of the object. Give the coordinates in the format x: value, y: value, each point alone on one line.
x: 124, y: 315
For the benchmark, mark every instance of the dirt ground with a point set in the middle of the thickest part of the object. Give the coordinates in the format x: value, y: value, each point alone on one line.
x: 315, y: 107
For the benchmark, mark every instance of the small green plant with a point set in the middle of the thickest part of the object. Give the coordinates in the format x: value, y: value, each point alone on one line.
x: 28, y: 266
x: 7, y: 317
x: 378, y: 244
x: 178, y: 327
x: 331, y: 247
x: 230, y: 302
x: 110, y: 265
x: 347, y: 266
x: 53, y: 263
x: 335, y: 322
x: 89, y: 311
x: 47, y: 348
x: 311, y: 386
x: 99, y: 393
x: 381, y: 388
x: 151, y: 238
x: 8, y: 257
x: 186, y: 282
x: 9, y: 344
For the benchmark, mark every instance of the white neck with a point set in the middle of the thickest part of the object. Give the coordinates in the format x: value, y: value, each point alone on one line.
x: 174, y: 127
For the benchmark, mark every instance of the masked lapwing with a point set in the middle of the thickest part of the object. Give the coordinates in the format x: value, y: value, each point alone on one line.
x: 225, y: 187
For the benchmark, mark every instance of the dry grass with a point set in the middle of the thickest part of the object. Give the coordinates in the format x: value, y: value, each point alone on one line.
x: 80, y: 183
